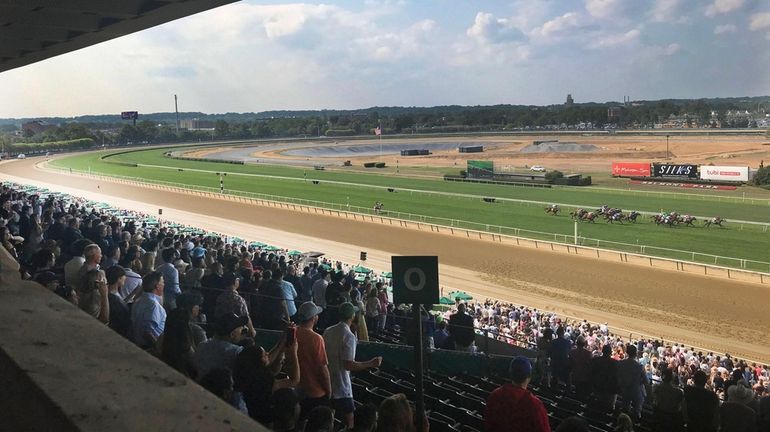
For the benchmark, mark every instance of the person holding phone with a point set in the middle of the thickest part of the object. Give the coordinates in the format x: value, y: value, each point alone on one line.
x: 255, y: 374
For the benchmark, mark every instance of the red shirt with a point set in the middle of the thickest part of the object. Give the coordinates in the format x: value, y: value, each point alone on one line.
x: 311, y: 355
x: 511, y: 409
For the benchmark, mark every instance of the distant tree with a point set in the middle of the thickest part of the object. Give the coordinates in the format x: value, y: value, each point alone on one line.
x: 553, y: 175
x: 402, y: 122
x: 128, y: 134
x: 222, y: 129
x: 147, y: 131
x: 762, y: 176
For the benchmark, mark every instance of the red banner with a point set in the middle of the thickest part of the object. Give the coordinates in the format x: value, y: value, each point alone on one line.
x: 631, y: 169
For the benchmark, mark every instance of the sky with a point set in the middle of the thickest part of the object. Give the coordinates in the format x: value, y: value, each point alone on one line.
x: 255, y: 56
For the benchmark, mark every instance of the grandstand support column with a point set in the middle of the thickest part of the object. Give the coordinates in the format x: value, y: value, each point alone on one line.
x: 419, y: 403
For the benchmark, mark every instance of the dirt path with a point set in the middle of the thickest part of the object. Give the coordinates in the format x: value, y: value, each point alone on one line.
x: 714, y: 314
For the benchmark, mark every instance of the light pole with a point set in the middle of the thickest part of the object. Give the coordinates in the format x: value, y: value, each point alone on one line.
x: 667, y: 157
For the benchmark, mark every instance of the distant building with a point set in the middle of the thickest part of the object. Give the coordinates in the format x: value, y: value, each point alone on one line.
x: 195, y: 124
x: 569, y: 102
x: 36, y: 126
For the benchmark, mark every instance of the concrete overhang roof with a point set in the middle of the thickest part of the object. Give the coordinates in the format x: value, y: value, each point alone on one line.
x: 35, y: 30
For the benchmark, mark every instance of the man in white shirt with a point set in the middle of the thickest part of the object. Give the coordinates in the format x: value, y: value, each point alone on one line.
x: 72, y: 267
x: 341, y: 353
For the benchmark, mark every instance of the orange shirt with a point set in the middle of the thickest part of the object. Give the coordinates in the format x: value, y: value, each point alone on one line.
x: 311, y: 354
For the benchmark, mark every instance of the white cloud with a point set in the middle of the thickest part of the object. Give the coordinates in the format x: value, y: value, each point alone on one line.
x: 667, y: 11
x: 394, y: 46
x: 724, y: 28
x: 603, y: 8
x: 559, y: 26
x: 723, y: 6
x: 760, y: 21
x: 672, y: 49
x: 618, y: 39
x: 488, y: 29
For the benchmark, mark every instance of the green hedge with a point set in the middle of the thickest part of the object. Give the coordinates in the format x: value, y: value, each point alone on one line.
x: 379, y: 165
x: 234, y: 162
x: 370, y: 164
x: 76, y: 144
x: 340, y: 132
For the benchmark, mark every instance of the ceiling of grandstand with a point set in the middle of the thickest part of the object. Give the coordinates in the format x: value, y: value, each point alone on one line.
x: 34, y: 30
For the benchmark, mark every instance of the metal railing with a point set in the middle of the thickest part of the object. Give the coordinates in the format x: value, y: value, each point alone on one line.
x: 678, y: 195
x: 656, y: 251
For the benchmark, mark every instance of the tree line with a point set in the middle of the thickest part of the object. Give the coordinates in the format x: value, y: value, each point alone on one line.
x: 161, y: 127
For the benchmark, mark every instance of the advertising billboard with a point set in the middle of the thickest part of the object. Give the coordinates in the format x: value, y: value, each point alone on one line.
x: 674, y: 170
x: 129, y: 115
x: 724, y: 173
x: 631, y: 169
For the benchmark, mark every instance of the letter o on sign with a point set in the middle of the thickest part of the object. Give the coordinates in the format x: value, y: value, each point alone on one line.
x: 408, y: 279
x: 415, y: 279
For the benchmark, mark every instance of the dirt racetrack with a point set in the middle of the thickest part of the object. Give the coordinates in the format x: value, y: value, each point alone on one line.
x: 712, y: 314
x: 715, y: 149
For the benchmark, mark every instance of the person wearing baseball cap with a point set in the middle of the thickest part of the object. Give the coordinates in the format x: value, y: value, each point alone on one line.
x: 222, y: 349
x: 314, y: 382
x: 341, y: 353
x: 512, y: 407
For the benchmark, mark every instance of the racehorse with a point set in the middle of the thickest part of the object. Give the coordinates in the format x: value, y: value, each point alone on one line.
x: 632, y: 216
x: 687, y: 220
x: 665, y: 219
x: 578, y: 214
x: 714, y: 221
x: 614, y: 217
x: 553, y: 209
x: 589, y: 217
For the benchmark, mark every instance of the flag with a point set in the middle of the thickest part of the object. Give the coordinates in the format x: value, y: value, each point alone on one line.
x: 377, y: 131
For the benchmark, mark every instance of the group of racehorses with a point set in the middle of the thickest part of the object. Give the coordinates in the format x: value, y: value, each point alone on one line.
x: 612, y: 215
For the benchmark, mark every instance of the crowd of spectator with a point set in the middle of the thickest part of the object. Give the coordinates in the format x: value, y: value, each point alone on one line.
x: 704, y: 390
x: 196, y: 301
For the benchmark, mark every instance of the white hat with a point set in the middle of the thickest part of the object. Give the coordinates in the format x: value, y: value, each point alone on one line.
x: 308, y: 310
x: 740, y: 393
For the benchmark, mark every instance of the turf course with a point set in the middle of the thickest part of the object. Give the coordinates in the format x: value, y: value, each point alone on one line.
x: 741, y: 241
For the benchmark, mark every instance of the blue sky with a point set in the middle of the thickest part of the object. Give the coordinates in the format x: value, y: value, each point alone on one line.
x: 258, y: 55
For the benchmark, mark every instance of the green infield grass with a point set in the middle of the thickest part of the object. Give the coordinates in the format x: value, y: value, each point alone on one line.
x: 460, y: 204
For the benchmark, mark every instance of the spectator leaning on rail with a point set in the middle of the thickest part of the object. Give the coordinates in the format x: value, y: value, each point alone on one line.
x: 341, y: 352
x: 512, y: 408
